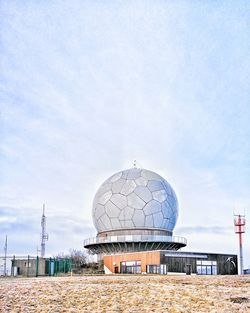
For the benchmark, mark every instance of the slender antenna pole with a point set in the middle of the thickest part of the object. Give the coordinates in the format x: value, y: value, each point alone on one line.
x: 37, y: 250
x: 44, y: 235
x: 5, y: 255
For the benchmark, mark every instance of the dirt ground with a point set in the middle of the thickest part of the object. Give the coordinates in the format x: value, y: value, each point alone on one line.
x: 126, y: 294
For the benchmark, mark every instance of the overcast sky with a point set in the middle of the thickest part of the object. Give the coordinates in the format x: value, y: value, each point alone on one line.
x: 89, y: 86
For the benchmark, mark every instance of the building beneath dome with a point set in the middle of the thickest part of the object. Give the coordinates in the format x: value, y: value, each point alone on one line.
x: 134, y: 210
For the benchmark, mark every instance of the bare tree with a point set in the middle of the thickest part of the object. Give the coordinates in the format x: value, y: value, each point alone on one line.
x: 81, y: 260
x: 78, y: 258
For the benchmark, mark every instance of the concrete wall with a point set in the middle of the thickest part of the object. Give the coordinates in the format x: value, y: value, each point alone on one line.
x: 27, y: 267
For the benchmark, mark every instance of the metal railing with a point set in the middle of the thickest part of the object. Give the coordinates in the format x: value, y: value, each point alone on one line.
x: 134, y: 238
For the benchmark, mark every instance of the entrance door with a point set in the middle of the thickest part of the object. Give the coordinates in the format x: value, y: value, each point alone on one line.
x: 188, y: 269
x: 116, y: 269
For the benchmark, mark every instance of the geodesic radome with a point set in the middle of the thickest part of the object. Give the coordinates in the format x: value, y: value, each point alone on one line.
x: 135, y: 199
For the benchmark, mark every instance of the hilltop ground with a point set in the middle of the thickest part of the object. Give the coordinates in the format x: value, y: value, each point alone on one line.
x: 126, y: 294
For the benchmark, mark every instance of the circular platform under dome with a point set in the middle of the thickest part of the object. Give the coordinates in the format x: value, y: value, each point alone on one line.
x: 135, y: 199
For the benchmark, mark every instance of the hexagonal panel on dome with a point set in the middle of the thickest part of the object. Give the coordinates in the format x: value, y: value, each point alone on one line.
x: 172, y: 202
x: 160, y: 195
x: 135, y: 198
x: 152, y: 207
x: 149, y: 221
x: 117, y: 185
x: 166, y: 210
x: 139, y: 218
x: 111, y: 209
x: 128, y: 187
x: 100, y: 210
x: 133, y: 173
x: 104, y: 198
x: 119, y: 200
x: 150, y: 175
x: 144, y: 193
x: 105, y: 220
x: 124, y: 174
x: 98, y: 223
x: 126, y: 213
x: 115, y: 223
x: 158, y: 219
x: 135, y: 202
x: 129, y: 223
x: 141, y: 181
x: 165, y: 223
x: 154, y: 185
x: 168, y: 188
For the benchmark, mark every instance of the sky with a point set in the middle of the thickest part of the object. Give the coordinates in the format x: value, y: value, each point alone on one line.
x: 87, y: 87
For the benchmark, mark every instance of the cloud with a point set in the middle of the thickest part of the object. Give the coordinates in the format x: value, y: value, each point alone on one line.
x: 14, y: 219
x: 22, y: 225
x: 67, y: 224
x: 218, y: 230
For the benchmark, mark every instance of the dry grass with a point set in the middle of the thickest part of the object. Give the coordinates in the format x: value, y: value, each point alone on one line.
x: 126, y: 294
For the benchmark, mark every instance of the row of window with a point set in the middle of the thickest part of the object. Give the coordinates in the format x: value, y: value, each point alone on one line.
x: 157, y: 269
x: 131, y: 267
x: 206, y: 270
x: 134, y: 267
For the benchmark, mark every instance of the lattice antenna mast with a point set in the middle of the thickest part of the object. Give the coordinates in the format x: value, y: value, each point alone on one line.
x: 44, y: 235
x: 239, y: 225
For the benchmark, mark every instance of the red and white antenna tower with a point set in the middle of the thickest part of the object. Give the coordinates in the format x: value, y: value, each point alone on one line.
x: 239, y: 226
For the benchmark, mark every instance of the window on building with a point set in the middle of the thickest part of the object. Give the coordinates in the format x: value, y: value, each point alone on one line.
x: 131, y: 267
x: 157, y: 269
x: 27, y: 264
x: 206, y: 267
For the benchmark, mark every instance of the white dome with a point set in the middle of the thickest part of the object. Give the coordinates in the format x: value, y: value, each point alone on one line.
x: 135, y: 199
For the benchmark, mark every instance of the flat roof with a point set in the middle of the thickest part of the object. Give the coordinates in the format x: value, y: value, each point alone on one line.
x: 176, y: 253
